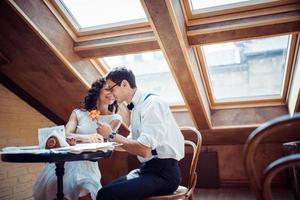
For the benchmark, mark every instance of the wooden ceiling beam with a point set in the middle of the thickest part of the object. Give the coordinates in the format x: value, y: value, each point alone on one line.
x: 35, y: 68
x: 167, y: 21
x: 38, y: 16
x: 239, y: 135
x: 127, y: 44
x: 252, y: 27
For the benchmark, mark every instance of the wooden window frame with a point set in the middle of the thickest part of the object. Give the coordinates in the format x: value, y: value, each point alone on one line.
x: 96, y: 32
x: 239, y: 12
x: 251, y: 102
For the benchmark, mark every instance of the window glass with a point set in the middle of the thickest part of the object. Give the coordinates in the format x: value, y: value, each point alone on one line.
x: 247, y: 69
x: 102, y: 12
x: 152, y: 74
x: 221, y: 4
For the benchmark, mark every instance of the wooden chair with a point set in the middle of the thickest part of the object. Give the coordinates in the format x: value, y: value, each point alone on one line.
x: 283, y: 128
x: 274, y: 168
x: 193, y: 142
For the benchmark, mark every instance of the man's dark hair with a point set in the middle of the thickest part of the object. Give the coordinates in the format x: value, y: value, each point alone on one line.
x: 119, y: 74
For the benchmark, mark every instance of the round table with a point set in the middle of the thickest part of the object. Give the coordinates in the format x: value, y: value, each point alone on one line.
x: 59, y: 158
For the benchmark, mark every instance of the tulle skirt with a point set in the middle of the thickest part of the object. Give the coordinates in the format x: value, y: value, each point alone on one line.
x: 79, y: 176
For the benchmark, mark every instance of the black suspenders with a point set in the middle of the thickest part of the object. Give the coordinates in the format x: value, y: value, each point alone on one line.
x: 148, y: 95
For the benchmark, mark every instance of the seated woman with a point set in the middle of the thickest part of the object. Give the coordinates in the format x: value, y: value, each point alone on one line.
x: 81, y: 177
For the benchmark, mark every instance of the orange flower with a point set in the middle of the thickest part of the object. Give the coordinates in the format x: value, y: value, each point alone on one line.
x: 93, y: 114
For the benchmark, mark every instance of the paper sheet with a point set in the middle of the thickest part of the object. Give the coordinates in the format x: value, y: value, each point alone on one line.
x: 78, y: 148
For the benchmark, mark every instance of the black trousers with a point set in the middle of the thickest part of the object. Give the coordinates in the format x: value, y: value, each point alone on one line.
x: 155, y: 177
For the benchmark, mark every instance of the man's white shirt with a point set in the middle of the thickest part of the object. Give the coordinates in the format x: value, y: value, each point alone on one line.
x: 153, y: 125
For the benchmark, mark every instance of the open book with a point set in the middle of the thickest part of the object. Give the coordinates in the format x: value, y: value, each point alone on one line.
x: 78, y: 148
x: 88, y: 147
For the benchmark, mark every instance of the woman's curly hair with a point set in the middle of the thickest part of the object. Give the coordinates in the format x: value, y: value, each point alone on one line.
x: 90, y: 100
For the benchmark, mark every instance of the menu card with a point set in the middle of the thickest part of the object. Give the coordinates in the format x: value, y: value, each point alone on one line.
x: 57, y: 131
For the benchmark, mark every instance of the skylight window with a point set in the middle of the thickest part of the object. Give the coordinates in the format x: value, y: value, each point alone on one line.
x: 109, y: 12
x: 204, y: 5
x: 152, y: 74
x: 250, y: 69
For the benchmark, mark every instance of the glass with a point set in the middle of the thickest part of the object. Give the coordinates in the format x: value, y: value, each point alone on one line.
x: 247, y: 69
x: 112, y: 87
x: 102, y: 12
x: 152, y: 74
x: 222, y: 4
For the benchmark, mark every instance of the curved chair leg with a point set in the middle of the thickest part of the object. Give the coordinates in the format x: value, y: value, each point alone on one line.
x: 192, y: 197
x: 274, y: 168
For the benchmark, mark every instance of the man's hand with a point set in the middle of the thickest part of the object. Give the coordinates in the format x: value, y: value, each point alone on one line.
x: 104, y: 130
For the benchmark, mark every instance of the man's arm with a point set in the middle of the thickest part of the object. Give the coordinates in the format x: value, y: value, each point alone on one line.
x: 115, y: 124
x: 131, y: 146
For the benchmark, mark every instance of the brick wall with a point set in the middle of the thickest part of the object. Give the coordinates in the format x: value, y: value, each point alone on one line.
x: 18, y: 127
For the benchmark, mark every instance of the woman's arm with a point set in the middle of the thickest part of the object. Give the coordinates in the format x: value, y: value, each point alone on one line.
x: 129, y: 145
x: 72, y: 124
x: 71, y: 129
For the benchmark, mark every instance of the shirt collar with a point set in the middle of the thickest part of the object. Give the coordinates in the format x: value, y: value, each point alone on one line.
x: 137, y: 97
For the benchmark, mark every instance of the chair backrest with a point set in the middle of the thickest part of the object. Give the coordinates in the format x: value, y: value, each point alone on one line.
x: 188, y: 165
x: 274, y: 168
x: 193, y: 142
x: 284, y: 128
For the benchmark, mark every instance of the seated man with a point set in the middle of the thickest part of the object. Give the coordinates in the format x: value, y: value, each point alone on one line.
x: 155, y: 138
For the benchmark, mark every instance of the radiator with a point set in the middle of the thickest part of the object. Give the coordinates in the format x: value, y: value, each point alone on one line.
x: 208, y: 170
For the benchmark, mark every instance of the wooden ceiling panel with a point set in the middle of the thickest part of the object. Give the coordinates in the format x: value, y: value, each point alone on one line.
x: 239, y: 135
x: 41, y: 19
x: 246, y: 116
x: 35, y: 68
x: 3, y: 59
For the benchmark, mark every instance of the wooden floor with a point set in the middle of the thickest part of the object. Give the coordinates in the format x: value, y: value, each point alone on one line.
x: 238, y: 194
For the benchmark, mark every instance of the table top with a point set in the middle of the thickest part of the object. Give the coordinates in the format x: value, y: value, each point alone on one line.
x: 54, y: 157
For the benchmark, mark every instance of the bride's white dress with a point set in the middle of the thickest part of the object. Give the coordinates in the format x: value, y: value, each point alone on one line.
x: 79, y: 175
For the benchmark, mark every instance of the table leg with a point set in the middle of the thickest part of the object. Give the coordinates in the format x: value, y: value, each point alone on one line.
x: 60, y: 173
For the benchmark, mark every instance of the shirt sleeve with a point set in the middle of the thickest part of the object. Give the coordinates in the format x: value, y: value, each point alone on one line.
x: 153, y: 128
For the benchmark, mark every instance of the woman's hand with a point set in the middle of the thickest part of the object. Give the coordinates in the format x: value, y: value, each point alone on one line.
x: 71, y: 140
x: 95, y: 138
x: 91, y: 138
